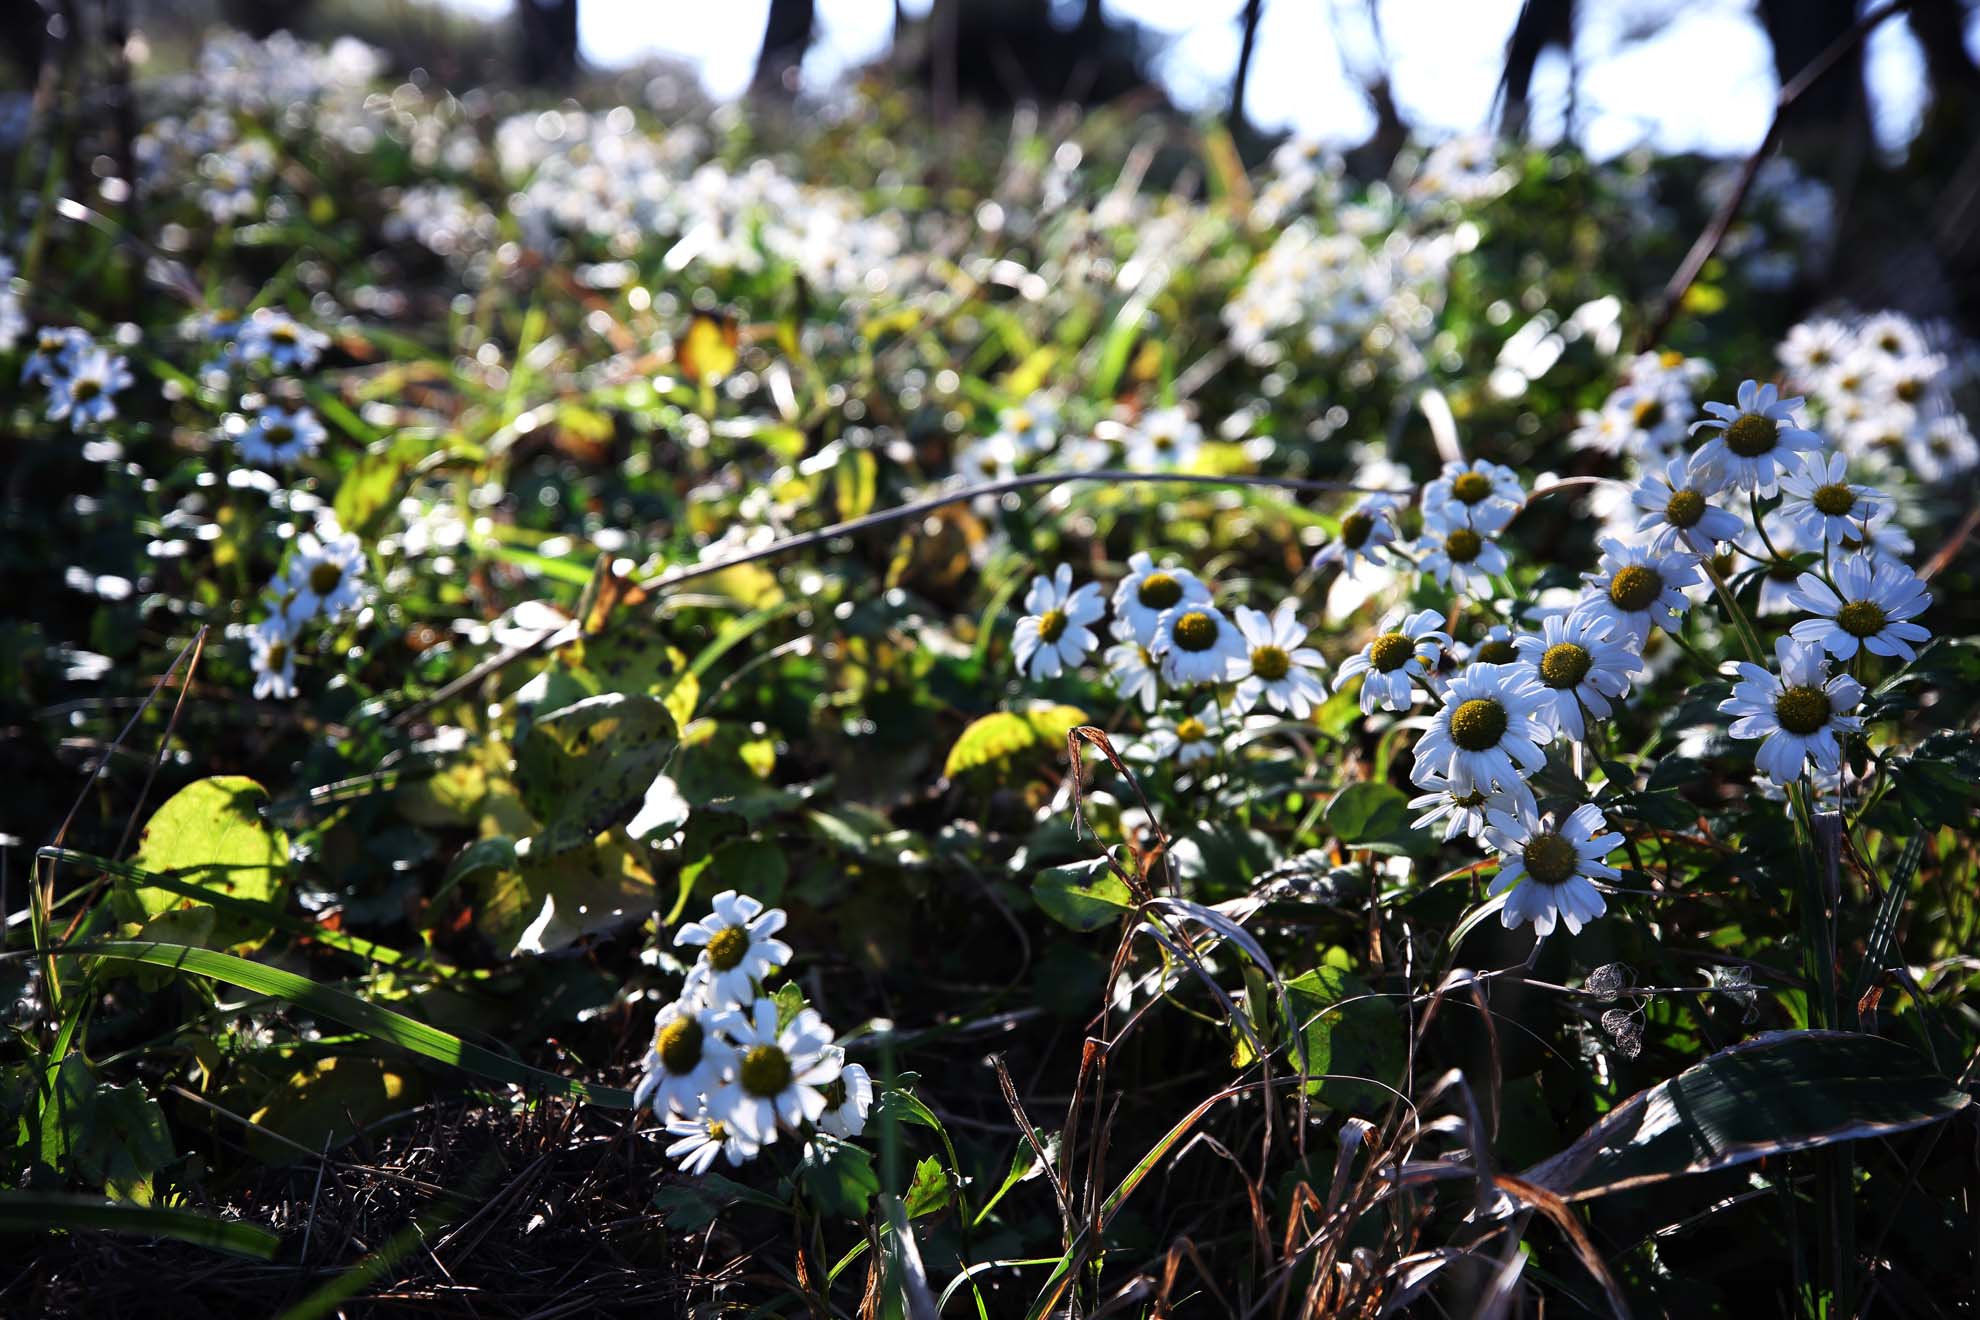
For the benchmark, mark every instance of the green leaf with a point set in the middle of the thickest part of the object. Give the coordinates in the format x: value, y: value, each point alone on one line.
x: 930, y: 1190
x: 124, y: 1141
x: 1349, y: 1032
x: 995, y: 737
x: 552, y: 899
x: 44, y: 1212
x: 211, y: 833
x: 360, y: 1014
x: 838, y: 1177
x: 586, y: 768
x: 1376, y: 817
x: 1780, y: 1091
x: 1083, y: 896
x: 373, y: 482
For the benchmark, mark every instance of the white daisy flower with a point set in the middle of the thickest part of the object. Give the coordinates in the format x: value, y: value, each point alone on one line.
x: 848, y: 1100
x: 1578, y: 667
x: 1462, y: 558
x: 272, y: 643
x: 737, y: 951
x: 285, y: 343
x: 1464, y: 812
x: 1604, y: 430
x: 1941, y: 448
x: 1752, y: 443
x: 992, y: 458
x: 1190, y: 739
x: 1032, y: 426
x: 1135, y: 672
x: 1820, y: 501
x: 1893, y: 334
x: 1797, y: 712
x: 1052, y: 636
x: 686, y: 1061
x: 1148, y: 590
x: 1164, y: 438
x: 1365, y: 530
x: 702, y: 1138
x: 1552, y: 869
x: 1277, y: 667
x: 86, y: 397
x: 56, y: 348
x: 780, y: 1075
x: 1640, y: 589
x: 281, y: 436
x: 1678, y: 511
x: 1197, y: 644
x: 1812, y: 349
x: 1869, y: 606
x: 1478, y: 495
x: 326, y: 576
x: 1405, y: 651
x: 1488, y: 731
x: 1494, y: 648
x: 1655, y: 422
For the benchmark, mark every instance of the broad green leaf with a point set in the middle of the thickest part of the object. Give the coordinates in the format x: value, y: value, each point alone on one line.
x: 586, y: 768
x: 1083, y: 896
x: 838, y: 1176
x: 125, y: 1141
x: 1350, y: 1033
x: 360, y: 1014
x: 994, y: 737
x: 930, y: 1190
x: 211, y: 833
x: 1376, y: 817
x: 45, y: 1212
x: 1780, y: 1091
x: 553, y: 899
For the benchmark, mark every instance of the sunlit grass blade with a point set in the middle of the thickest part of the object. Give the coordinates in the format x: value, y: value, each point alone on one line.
x: 42, y: 1212
x: 380, y: 1023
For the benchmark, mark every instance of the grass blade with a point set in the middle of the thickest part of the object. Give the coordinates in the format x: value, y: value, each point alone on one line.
x: 41, y: 1212
x: 361, y: 1014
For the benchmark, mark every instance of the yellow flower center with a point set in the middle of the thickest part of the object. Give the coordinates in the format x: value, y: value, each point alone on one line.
x: 1834, y: 499
x: 765, y: 1071
x: 1190, y: 729
x: 1052, y: 626
x: 1478, y: 724
x: 1471, y: 487
x: 1910, y: 391
x: 1649, y: 414
x: 1752, y: 435
x: 324, y: 575
x: 726, y: 947
x: 1564, y: 665
x: 278, y: 656
x: 281, y: 433
x: 1781, y: 570
x: 85, y: 389
x: 1270, y: 663
x: 1498, y: 651
x: 1158, y: 591
x: 718, y: 1131
x: 1550, y: 859
x: 1802, y: 709
x: 1195, y: 631
x: 1356, y: 528
x: 1861, y: 618
x: 1390, y: 652
x: 1684, y: 508
x: 1463, y: 545
x: 679, y: 1045
x: 1634, y: 587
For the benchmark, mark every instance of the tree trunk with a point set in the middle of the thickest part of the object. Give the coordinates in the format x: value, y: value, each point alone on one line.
x: 547, y: 41
x: 786, y: 37
x: 1833, y: 116
x: 1541, y: 24
x: 1253, y: 11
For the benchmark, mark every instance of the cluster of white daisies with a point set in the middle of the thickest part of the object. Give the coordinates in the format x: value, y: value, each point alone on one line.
x: 324, y: 579
x: 1552, y: 673
x: 82, y: 377
x: 722, y: 1074
x: 266, y: 343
